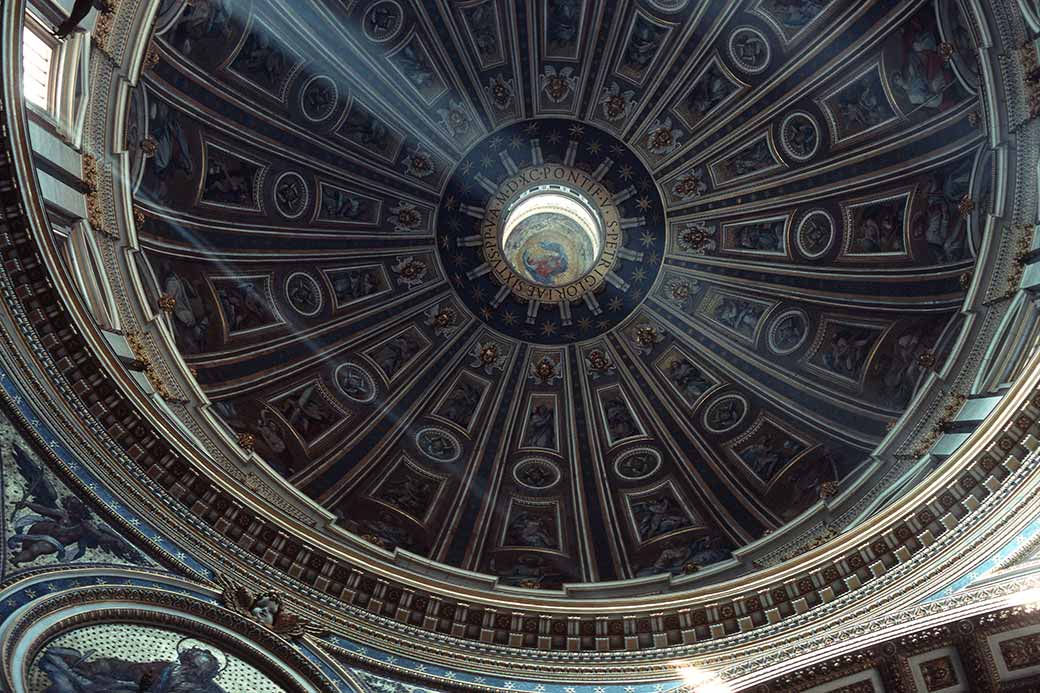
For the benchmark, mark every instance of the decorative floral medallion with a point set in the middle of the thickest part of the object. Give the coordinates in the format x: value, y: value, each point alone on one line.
x: 637, y: 464
x: 291, y: 194
x: 725, y: 413
x: 536, y: 473
x: 355, y: 382
x: 303, y: 293
x: 438, y: 445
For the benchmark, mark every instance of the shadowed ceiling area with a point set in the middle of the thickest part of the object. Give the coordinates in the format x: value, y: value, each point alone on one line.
x: 789, y: 194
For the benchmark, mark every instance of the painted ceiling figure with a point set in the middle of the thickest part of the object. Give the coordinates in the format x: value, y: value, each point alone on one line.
x: 58, y: 523
x: 72, y: 671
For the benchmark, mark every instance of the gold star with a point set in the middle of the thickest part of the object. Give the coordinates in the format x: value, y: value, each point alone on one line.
x: 549, y: 329
x: 604, y: 324
x: 445, y: 242
x: 508, y: 318
x: 486, y: 313
x: 651, y: 259
x: 531, y: 128
x: 647, y: 239
x: 466, y: 167
x: 485, y: 161
x: 617, y: 149
x: 495, y: 141
x: 454, y: 224
x: 616, y: 303
x: 458, y: 259
x: 553, y: 138
x: 459, y: 281
x: 577, y: 130
x: 626, y: 172
x: 639, y: 275
x: 643, y: 203
x: 595, y: 147
x: 516, y: 142
x: 478, y: 293
x: 584, y: 324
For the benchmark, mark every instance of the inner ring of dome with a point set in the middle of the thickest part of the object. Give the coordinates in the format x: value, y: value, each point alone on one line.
x: 552, y: 235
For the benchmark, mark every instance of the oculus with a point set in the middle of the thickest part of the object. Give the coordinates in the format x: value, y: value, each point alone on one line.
x: 551, y: 231
x: 552, y: 235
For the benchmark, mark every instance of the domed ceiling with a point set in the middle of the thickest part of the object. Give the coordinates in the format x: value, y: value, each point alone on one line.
x: 561, y: 291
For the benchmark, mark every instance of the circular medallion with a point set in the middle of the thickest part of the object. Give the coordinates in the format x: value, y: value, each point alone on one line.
x: 800, y: 136
x: 815, y: 234
x: 355, y: 382
x: 536, y: 473
x: 669, y: 5
x: 569, y: 231
x: 788, y: 332
x: 303, y: 293
x: 383, y: 21
x: 725, y: 413
x: 438, y: 444
x: 318, y: 98
x: 749, y: 49
x: 291, y: 194
x: 637, y: 464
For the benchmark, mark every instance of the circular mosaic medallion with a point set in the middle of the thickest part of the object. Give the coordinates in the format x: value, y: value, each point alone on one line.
x: 788, y: 332
x: 438, y: 444
x: 800, y: 136
x: 749, y: 49
x: 355, y: 382
x: 725, y: 413
x: 570, y: 229
x: 303, y: 293
x: 815, y: 234
x: 536, y: 473
x: 383, y: 21
x: 318, y: 98
x: 637, y: 464
x: 291, y: 194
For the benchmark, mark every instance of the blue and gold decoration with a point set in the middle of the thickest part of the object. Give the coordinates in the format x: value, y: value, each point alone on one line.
x: 560, y: 274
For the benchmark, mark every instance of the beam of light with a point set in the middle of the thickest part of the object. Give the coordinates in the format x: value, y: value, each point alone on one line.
x: 1027, y: 597
x: 701, y: 681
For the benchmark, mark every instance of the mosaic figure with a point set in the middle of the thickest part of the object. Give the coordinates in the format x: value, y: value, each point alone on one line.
x: 769, y: 453
x: 657, y: 515
x: 244, y: 303
x: 392, y: 356
x: 531, y: 530
x: 847, y: 350
x: 262, y: 59
x: 540, y: 431
x: 308, y: 413
x: 54, y: 523
x: 682, y: 558
x: 461, y: 403
x: 194, y: 670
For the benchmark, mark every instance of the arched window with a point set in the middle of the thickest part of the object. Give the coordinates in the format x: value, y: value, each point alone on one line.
x: 38, y: 51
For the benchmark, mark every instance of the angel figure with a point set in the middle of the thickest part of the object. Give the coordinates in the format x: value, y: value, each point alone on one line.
x: 56, y: 523
x: 266, y: 608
